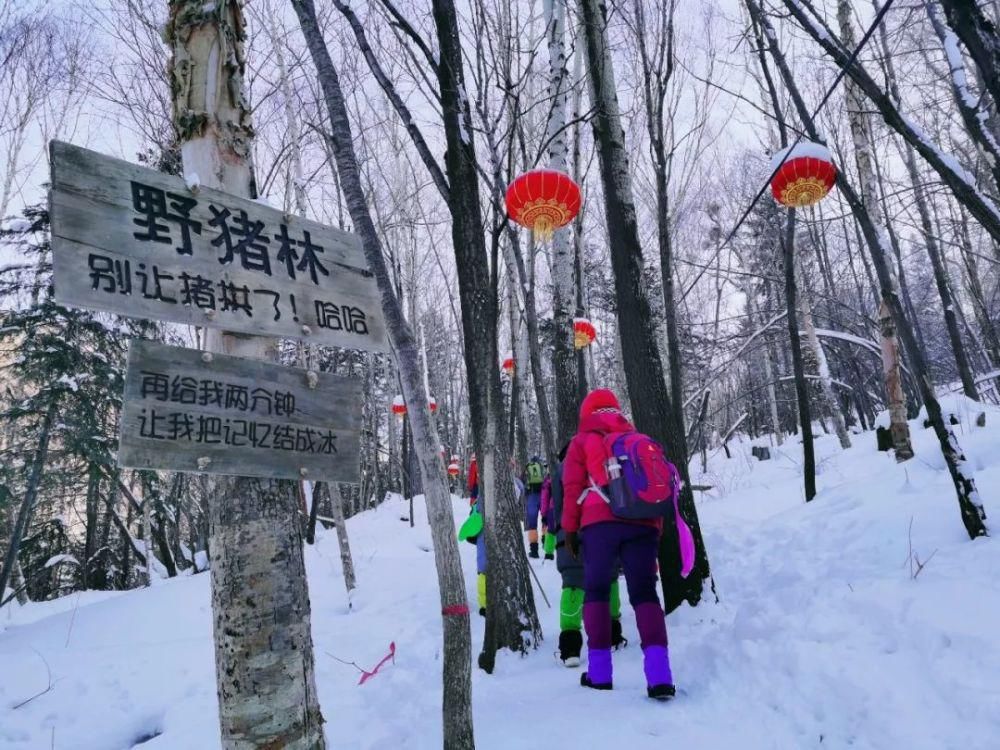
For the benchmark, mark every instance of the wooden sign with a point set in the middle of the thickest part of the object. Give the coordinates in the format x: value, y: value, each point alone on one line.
x: 133, y: 241
x: 187, y: 410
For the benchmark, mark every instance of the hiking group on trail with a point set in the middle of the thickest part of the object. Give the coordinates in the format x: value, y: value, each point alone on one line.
x: 603, y: 508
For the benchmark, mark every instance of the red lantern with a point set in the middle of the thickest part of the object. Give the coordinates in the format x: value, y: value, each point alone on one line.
x: 398, y: 406
x: 432, y: 404
x: 508, y: 364
x: 453, y: 470
x: 543, y: 200
x: 807, y: 175
x: 584, y: 333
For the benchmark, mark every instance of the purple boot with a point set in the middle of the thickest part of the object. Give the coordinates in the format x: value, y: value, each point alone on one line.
x: 656, y: 665
x: 598, y: 674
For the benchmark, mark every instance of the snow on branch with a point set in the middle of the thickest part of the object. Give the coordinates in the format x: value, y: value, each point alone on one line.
x: 59, y: 559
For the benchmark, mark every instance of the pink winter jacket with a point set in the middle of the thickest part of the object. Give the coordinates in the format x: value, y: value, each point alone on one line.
x: 585, y: 462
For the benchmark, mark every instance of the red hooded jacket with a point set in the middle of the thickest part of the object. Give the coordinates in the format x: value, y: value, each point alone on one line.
x: 600, y: 414
x: 473, y: 481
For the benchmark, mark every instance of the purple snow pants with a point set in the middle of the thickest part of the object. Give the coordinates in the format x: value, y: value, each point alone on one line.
x: 604, y: 544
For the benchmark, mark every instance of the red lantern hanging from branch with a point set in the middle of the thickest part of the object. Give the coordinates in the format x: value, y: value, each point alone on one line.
x: 453, y: 470
x: 584, y: 333
x: 806, y: 176
x: 398, y: 406
x: 543, y: 200
x: 508, y: 364
x: 432, y: 404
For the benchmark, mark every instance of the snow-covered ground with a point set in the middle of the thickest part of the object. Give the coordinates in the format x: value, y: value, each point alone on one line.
x: 821, y: 639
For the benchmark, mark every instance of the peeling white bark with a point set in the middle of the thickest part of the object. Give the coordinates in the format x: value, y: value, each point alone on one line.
x: 260, y: 602
x: 563, y: 260
x: 861, y: 135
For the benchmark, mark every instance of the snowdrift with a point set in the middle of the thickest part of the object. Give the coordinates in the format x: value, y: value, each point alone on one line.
x: 865, y: 619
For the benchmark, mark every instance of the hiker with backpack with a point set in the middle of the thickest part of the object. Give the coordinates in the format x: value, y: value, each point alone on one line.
x: 570, y: 569
x: 479, y: 537
x: 548, y: 516
x: 534, y: 476
x: 619, y: 488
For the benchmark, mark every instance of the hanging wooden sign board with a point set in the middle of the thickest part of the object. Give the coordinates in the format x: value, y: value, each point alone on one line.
x: 187, y: 410
x: 140, y: 243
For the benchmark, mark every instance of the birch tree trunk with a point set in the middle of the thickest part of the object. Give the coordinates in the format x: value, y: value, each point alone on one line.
x: 769, y: 376
x: 862, y: 140
x: 823, y: 367
x: 652, y: 406
x: 260, y: 602
x: 564, y: 357
x: 457, y: 645
x: 523, y: 409
x: 17, y: 583
x: 892, y: 371
x: 343, y: 543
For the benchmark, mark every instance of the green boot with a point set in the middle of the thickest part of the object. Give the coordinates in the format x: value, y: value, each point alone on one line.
x: 550, y: 546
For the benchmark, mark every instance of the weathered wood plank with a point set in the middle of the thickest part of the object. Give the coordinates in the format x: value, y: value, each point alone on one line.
x: 136, y: 242
x: 237, y: 416
x: 223, y: 304
x: 104, y: 179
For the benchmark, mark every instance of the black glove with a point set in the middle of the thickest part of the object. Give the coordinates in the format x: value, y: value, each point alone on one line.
x: 573, y: 543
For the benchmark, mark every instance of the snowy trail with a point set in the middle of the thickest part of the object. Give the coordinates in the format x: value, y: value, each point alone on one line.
x: 821, y: 639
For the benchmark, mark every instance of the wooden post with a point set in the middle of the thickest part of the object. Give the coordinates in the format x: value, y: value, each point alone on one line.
x: 892, y: 371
